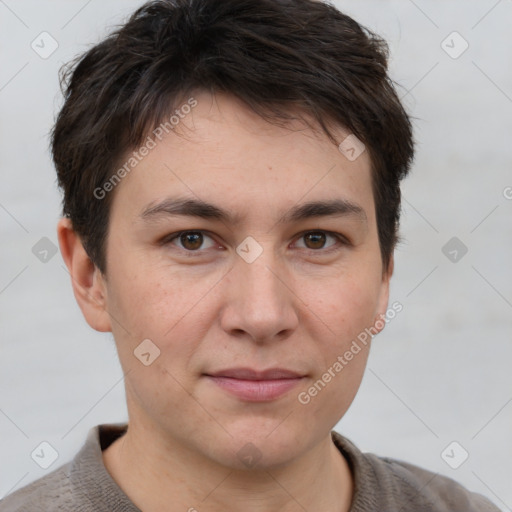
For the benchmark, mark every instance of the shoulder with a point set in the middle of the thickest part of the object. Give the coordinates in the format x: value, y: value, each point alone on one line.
x: 383, y: 483
x: 416, y: 485
x: 81, y: 485
x: 50, y: 493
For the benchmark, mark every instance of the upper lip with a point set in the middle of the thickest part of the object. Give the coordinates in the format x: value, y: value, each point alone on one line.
x: 250, y: 374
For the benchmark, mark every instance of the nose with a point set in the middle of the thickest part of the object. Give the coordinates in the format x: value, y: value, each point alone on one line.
x: 259, y: 300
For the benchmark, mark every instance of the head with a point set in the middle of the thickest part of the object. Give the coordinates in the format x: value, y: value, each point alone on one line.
x: 255, y: 107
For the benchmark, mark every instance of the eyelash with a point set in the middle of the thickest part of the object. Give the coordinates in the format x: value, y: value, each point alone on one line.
x: 342, y: 241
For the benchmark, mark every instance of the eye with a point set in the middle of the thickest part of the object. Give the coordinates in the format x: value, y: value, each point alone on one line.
x: 191, y: 241
x: 315, y: 240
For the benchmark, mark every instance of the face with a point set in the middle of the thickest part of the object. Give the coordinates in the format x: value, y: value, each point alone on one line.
x: 269, y: 285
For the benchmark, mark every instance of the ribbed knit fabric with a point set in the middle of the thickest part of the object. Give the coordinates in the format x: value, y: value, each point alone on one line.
x: 81, y: 485
x: 381, y: 484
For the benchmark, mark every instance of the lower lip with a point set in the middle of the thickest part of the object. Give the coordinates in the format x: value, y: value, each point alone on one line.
x: 256, y: 390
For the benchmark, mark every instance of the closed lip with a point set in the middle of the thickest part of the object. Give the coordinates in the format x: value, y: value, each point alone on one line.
x: 251, y: 374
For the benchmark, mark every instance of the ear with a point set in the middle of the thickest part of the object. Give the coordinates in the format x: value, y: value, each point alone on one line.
x: 383, y: 300
x: 88, y: 283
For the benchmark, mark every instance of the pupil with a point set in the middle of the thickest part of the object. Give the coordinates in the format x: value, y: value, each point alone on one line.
x: 316, y: 238
x: 194, y: 238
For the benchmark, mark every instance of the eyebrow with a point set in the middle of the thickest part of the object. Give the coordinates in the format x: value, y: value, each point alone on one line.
x: 175, y: 206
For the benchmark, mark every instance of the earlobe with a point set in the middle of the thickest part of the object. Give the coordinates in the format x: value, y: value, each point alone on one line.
x: 86, y: 279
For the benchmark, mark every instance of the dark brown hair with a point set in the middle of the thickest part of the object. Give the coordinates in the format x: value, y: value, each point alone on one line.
x: 284, y: 58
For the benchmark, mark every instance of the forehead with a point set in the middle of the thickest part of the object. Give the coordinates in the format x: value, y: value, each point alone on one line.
x: 221, y: 152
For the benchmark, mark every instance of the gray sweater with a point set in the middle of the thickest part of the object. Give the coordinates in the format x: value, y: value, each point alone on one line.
x: 380, y: 484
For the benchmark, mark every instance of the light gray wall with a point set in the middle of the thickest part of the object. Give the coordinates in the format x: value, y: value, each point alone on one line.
x: 440, y: 371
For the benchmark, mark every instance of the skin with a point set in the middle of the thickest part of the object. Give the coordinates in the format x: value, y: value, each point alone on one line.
x: 298, y: 306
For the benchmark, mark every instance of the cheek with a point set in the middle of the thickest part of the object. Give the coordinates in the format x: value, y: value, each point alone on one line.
x: 330, y: 393
x: 173, y: 310
x: 346, y: 306
x: 162, y: 308
x: 156, y: 301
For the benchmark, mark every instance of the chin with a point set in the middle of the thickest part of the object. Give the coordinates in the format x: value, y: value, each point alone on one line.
x: 264, y: 443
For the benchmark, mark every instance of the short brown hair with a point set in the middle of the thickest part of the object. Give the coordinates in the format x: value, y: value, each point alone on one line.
x: 283, y: 58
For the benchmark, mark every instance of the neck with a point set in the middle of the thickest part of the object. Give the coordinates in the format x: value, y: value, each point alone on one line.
x: 154, y: 473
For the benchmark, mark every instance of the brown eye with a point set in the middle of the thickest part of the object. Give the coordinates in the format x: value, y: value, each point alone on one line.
x: 315, y: 240
x: 191, y: 240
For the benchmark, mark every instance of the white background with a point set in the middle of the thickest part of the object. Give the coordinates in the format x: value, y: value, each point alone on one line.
x: 440, y: 371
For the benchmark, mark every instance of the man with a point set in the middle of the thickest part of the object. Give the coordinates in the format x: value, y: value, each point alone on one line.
x: 231, y: 174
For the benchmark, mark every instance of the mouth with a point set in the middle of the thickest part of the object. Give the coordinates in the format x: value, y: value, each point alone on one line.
x: 256, y: 386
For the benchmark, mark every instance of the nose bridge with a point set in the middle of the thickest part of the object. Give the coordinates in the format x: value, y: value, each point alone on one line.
x: 262, y: 281
x: 260, y: 277
x: 260, y: 302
